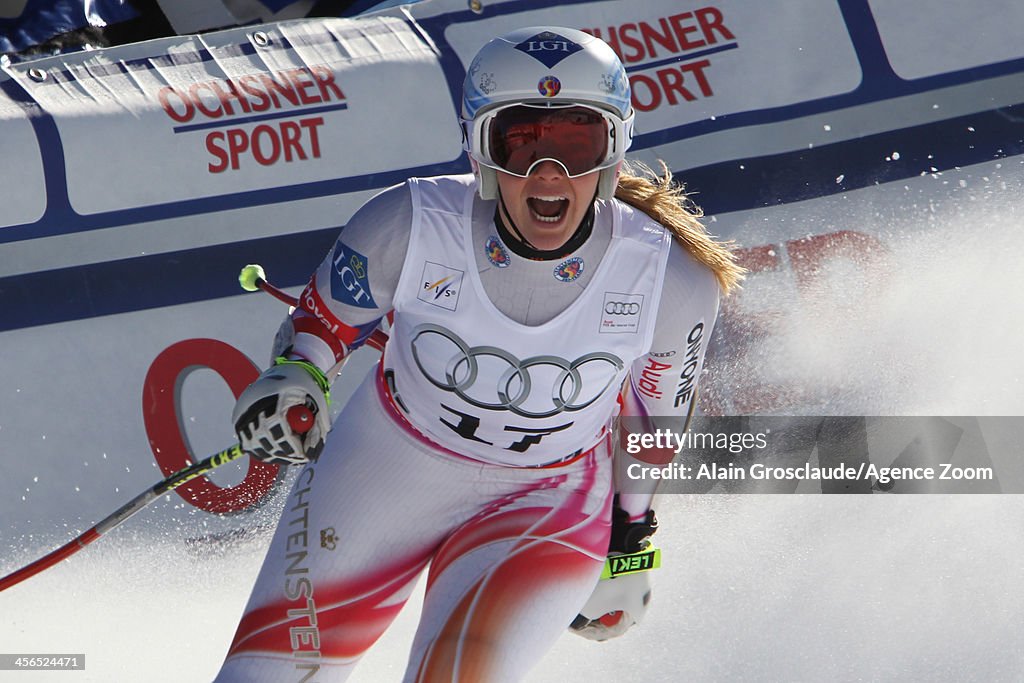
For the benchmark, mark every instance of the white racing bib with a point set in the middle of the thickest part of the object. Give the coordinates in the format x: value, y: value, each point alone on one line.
x: 479, y: 383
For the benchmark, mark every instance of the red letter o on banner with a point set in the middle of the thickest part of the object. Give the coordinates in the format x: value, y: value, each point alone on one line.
x: 161, y: 408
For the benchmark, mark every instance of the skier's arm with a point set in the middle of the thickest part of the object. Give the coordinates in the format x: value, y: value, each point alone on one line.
x: 345, y: 299
x: 354, y: 285
x: 659, y: 395
x: 662, y: 387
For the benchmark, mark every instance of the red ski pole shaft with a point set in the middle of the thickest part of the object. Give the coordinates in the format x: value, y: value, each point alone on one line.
x: 298, y: 417
x: 121, y: 514
x: 278, y: 294
x: 253, y: 277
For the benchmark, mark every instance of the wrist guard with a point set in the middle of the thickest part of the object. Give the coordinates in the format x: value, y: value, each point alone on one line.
x: 630, y: 537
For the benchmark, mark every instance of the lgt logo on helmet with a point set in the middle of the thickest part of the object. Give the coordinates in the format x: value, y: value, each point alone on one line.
x: 620, y: 313
x: 549, y: 48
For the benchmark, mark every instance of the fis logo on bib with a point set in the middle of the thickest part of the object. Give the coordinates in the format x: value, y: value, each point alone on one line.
x: 620, y: 313
x: 440, y: 285
x: 349, y: 283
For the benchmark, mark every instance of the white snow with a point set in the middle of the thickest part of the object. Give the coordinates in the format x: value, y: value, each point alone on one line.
x: 885, y: 588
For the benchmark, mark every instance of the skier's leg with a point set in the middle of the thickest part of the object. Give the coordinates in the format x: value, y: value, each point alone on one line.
x: 357, y: 529
x: 507, y: 584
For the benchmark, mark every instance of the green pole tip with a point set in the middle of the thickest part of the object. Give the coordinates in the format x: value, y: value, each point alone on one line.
x: 249, y: 275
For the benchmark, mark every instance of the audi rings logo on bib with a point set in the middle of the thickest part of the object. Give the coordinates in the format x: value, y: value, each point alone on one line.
x: 620, y: 313
x: 621, y: 308
x: 494, y: 379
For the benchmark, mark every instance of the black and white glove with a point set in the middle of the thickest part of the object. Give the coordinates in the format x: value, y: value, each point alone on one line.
x: 282, y: 417
x: 619, y: 602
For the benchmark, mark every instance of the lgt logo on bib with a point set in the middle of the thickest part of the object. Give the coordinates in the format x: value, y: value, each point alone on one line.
x: 440, y: 285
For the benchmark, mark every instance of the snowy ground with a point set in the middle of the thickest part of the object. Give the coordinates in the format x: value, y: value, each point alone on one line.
x: 762, y: 588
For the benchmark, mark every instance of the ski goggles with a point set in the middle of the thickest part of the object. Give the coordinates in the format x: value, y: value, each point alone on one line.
x: 582, y: 139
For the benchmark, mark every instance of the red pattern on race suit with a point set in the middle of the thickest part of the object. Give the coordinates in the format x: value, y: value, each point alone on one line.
x: 514, y: 552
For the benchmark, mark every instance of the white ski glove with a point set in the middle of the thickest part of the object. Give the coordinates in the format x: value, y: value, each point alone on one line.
x: 620, y: 601
x: 268, y: 425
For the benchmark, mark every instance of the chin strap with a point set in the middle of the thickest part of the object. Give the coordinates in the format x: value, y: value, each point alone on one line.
x: 503, y: 219
x: 523, y: 247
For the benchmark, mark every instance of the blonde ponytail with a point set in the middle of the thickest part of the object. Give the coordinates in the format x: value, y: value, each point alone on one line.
x: 666, y: 202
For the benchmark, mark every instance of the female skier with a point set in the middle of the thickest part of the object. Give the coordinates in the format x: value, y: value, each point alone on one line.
x: 533, y: 301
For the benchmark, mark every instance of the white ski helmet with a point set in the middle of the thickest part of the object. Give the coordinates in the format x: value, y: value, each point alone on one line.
x: 550, y: 68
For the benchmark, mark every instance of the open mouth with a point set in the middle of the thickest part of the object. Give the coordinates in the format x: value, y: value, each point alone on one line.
x: 548, y: 209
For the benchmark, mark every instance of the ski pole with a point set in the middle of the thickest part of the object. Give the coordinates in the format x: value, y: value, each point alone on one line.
x: 253, y: 278
x: 300, y: 418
